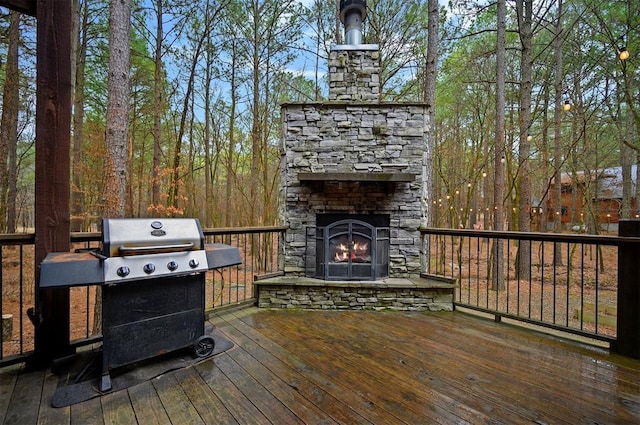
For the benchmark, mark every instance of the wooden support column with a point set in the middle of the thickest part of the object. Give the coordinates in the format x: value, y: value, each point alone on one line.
x: 52, y: 185
x: 628, y: 329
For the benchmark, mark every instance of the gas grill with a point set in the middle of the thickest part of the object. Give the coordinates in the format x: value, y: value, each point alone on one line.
x: 152, y: 274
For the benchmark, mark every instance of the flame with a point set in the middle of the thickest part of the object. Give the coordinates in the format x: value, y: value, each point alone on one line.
x: 361, y: 247
x: 358, y: 252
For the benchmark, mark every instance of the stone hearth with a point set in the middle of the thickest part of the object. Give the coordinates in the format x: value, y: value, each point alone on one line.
x: 427, y: 292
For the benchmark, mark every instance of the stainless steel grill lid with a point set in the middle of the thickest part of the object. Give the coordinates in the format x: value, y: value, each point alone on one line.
x: 148, y: 248
x: 137, y: 236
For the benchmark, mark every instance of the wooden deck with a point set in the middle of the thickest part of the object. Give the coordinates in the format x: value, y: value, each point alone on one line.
x: 319, y: 367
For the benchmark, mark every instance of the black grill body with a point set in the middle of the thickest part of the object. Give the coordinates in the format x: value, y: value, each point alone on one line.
x: 144, y: 319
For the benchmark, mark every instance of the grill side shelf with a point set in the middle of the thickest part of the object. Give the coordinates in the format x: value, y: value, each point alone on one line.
x: 64, y: 269
x: 222, y: 255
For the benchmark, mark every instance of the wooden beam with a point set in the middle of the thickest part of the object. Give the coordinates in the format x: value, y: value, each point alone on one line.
x: 628, y: 321
x: 23, y: 6
x: 52, y: 185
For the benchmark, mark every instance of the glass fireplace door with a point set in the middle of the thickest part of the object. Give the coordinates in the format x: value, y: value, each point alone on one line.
x: 349, y: 250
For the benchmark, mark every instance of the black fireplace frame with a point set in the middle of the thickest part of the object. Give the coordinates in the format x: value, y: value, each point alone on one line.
x: 372, y: 229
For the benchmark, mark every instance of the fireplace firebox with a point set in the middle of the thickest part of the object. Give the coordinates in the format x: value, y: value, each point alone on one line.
x: 349, y: 247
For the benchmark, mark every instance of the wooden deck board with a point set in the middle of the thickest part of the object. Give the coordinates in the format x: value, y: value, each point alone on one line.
x: 147, y: 405
x: 117, y: 408
x: 594, y: 398
x: 486, y: 376
x: 176, y: 403
x: 7, y: 384
x: 25, y: 399
x: 289, y: 370
x: 48, y: 414
x: 333, y: 389
x: 290, y: 367
x: 387, y: 362
x: 89, y: 412
x: 302, y: 408
x: 238, y: 405
x: 345, y: 356
x: 261, y: 397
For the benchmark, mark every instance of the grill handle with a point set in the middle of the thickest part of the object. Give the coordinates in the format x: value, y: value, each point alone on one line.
x: 154, y: 249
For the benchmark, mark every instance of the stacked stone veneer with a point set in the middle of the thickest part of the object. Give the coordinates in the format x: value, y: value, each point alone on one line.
x: 361, y: 296
x: 358, y: 136
x: 354, y: 75
x: 354, y: 138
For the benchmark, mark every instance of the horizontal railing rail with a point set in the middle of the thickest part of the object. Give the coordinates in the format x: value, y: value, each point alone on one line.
x: 567, y: 282
x: 228, y: 286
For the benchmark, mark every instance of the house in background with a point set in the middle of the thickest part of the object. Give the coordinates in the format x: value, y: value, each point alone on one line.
x: 599, y: 191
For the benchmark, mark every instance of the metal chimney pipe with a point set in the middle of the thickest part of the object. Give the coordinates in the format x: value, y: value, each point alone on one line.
x: 352, y: 14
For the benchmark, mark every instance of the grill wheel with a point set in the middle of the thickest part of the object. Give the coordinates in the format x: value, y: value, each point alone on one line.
x: 203, y: 347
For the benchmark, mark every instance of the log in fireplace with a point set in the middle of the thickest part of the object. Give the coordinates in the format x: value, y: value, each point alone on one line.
x: 349, y: 247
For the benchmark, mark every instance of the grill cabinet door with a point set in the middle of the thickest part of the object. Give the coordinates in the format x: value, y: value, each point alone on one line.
x: 146, y: 318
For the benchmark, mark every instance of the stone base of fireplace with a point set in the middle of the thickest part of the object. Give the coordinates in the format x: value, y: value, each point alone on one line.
x: 429, y: 292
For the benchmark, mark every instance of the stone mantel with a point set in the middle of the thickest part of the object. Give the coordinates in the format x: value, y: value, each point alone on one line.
x: 357, y: 177
x: 353, y: 104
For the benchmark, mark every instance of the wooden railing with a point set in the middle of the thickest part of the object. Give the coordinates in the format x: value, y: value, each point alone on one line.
x: 583, y: 284
x: 224, y: 287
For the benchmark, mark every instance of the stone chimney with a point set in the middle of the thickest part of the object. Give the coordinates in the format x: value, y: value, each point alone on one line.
x: 354, y: 75
x: 354, y: 67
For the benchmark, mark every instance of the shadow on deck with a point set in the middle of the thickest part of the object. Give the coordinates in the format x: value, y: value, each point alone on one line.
x: 352, y: 367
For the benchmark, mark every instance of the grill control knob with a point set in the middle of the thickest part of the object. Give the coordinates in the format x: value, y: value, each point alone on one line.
x: 123, y: 271
x: 193, y: 263
x: 172, y: 265
x: 149, y: 268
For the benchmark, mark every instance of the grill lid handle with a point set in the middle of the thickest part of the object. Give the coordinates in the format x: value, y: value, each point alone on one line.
x: 154, y: 249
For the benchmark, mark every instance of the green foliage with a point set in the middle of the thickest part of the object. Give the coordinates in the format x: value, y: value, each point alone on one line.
x: 256, y: 54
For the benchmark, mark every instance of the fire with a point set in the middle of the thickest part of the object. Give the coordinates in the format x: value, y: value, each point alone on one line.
x: 359, y: 252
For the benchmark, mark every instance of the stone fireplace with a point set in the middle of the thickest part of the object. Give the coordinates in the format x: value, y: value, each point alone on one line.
x: 353, y: 155
x: 353, y: 189
x: 349, y: 247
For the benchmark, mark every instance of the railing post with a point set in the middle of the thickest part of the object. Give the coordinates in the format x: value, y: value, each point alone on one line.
x: 628, y: 330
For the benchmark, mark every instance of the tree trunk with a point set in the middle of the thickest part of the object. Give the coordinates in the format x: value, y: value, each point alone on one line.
x: 208, y: 196
x: 636, y: 194
x: 544, y: 204
x: 77, y: 198
x: 117, y: 125
x: 627, y: 156
x: 255, y: 121
x: 231, y: 148
x: 177, y: 152
x: 499, y: 153
x: 557, y: 133
x: 158, y: 82
x: 524, y: 9
x: 338, y: 24
x: 9, y: 131
x: 431, y: 70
